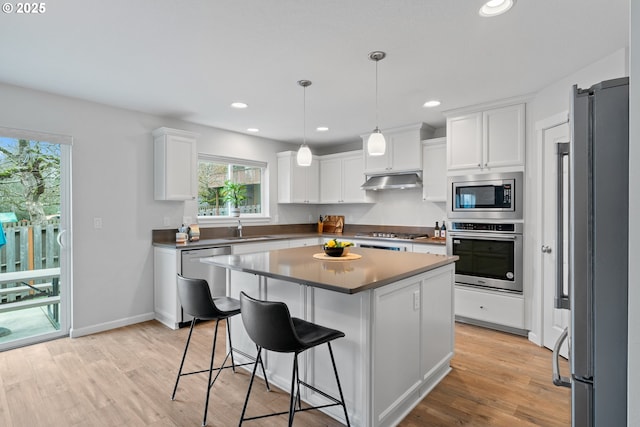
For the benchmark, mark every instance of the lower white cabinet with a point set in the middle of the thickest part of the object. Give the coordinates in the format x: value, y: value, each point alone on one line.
x: 491, y: 307
x: 312, y: 241
x: 429, y: 249
x: 166, y: 304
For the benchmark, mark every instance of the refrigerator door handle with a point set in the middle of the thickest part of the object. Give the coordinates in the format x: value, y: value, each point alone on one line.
x: 561, y: 298
x: 557, y: 379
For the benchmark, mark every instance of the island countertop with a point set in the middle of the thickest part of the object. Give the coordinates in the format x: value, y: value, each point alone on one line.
x: 374, y: 269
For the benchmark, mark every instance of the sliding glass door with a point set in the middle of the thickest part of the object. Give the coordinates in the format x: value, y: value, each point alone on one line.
x: 35, y: 260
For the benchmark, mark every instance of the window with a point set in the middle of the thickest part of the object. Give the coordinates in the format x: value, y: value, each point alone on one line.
x: 213, y: 171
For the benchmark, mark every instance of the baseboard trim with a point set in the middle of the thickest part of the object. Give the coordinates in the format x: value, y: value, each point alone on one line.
x: 101, y: 327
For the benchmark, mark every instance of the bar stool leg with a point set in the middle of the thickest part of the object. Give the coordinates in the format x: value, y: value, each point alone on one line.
x: 209, y: 384
x: 184, y: 355
x: 233, y: 363
x: 294, y: 381
x: 335, y: 370
x: 253, y: 375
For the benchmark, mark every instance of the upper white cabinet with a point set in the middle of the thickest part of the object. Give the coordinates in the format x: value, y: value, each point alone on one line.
x: 297, y: 184
x: 486, y: 140
x: 434, y: 172
x: 403, y: 153
x: 175, y: 160
x: 341, y: 176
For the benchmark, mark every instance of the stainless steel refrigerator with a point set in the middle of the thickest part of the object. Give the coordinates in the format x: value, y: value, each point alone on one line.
x: 598, y: 214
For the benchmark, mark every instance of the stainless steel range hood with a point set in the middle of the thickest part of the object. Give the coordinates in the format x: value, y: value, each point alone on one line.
x: 393, y: 182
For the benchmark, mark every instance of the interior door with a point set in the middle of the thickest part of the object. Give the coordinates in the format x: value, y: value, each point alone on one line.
x: 554, y: 320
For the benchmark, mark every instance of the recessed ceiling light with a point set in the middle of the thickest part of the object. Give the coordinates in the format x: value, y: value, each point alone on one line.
x: 431, y: 104
x: 322, y: 128
x: 495, y: 7
x: 254, y: 130
x: 239, y: 105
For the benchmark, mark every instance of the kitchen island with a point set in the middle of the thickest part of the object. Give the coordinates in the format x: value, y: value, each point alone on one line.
x: 396, y: 309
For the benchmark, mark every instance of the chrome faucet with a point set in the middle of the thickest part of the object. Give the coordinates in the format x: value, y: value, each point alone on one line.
x: 239, y: 229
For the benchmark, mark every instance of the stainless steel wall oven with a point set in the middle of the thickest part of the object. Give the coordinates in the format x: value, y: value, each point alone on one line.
x: 490, y: 254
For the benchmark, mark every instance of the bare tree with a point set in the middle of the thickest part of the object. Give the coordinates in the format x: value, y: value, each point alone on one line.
x: 29, y: 176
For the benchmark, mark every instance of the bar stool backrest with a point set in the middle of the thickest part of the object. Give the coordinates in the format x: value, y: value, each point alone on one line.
x: 196, y: 300
x: 269, y: 325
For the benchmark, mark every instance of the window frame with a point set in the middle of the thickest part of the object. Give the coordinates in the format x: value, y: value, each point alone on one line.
x: 264, y: 189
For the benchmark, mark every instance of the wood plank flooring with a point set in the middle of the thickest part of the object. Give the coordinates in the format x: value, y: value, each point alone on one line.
x: 124, y: 377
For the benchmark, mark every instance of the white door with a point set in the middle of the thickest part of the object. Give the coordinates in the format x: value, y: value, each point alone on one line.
x: 554, y: 320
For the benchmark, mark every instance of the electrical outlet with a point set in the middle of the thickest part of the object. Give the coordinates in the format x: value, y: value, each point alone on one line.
x: 416, y: 300
x: 166, y: 221
x: 97, y: 222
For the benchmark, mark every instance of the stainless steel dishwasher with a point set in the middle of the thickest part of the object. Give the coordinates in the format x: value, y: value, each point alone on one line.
x: 215, y: 276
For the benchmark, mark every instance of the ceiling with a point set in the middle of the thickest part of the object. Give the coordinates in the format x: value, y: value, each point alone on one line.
x: 191, y: 59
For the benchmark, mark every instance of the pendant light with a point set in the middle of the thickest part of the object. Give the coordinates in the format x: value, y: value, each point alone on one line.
x: 304, y: 153
x: 376, y: 144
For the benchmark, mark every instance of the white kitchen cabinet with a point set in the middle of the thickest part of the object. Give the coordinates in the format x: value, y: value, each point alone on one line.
x: 484, y: 141
x: 166, y: 305
x: 245, y: 248
x: 434, y: 170
x: 424, y: 248
x: 341, y: 176
x: 482, y: 305
x: 307, y: 241
x: 403, y: 152
x: 297, y: 184
x: 175, y: 161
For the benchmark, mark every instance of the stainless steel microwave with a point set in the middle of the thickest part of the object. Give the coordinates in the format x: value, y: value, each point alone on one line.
x: 485, y: 196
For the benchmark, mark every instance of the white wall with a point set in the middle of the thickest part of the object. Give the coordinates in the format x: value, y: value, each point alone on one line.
x: 634, y: 228
x: 113, y: 179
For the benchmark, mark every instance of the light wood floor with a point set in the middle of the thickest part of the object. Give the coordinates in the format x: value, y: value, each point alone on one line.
x: 124, y: 377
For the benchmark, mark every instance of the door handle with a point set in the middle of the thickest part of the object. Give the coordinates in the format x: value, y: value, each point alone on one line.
x: 546, y: 249
x: 59, y: 238
x: 558, y: 380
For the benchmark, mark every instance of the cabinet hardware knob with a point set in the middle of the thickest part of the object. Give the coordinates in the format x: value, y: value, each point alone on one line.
x: 546, y: 249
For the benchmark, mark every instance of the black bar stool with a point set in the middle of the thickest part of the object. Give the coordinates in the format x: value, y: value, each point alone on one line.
x: 196, y: 301
x: 270, y: 325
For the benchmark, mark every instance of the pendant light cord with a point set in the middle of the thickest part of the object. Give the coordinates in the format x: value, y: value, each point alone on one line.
x: 304, y: 115
x: 377, y: 124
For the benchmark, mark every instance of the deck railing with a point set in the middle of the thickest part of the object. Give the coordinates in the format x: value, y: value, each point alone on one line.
x: 29, y: 247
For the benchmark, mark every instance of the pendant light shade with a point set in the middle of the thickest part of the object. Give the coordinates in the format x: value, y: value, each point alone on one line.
x: 376, y: 144
x: 304, y: 156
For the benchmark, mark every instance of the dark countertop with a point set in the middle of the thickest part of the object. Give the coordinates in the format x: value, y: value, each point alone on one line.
x: 226, y: 241
x: 376, y: 268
